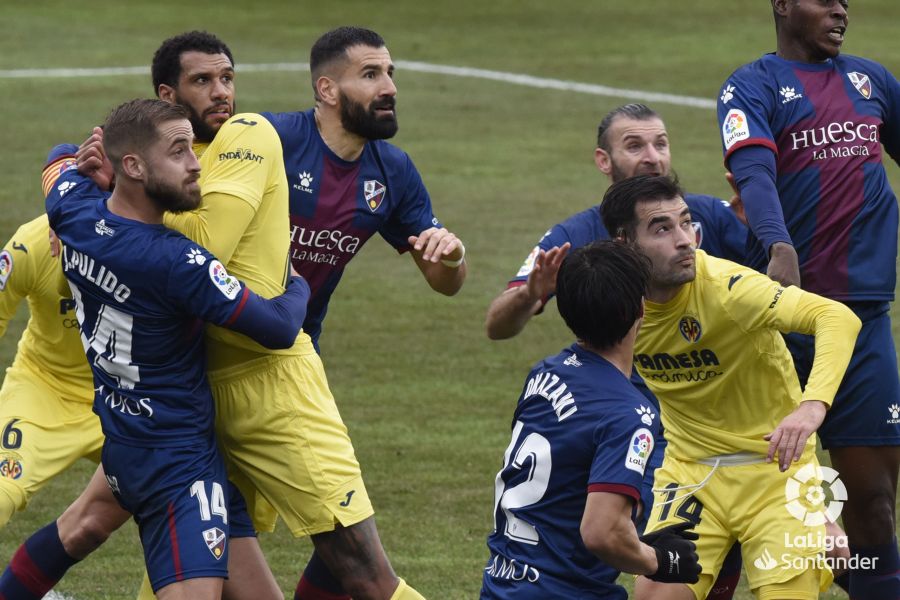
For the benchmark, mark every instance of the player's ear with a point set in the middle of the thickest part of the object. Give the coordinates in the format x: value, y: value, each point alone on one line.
x: 603, y: 161
x: 327, y: 90
x: 780, y: 7
x: 133, y: 167
x: 166, y: 93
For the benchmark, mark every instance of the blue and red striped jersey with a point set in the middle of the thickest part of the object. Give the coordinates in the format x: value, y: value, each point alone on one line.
x: 337, y: 205
x: 827, y: 123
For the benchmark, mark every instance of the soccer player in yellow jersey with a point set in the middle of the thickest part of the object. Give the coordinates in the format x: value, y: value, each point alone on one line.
x: 282, y: 436
x: 46, y: 420
x: 711, y: 350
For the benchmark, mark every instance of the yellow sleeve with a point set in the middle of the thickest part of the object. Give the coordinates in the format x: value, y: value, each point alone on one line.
x: 16, y: 278
x: 217, y: 225
x: 835, y: 327
x: 754, y: 301
x: 234, y: 179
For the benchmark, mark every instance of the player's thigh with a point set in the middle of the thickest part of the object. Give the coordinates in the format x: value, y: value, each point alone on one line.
x: 92, y: 518
x: 780, y: 519
x: 41, y: 435
x: 280, y: 428
x: 674, y: 506
x: 180, y: 500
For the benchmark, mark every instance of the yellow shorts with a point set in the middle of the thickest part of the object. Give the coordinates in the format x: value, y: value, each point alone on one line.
x: 41, y: 435
x: 285, y: 445
x: 748, y: 503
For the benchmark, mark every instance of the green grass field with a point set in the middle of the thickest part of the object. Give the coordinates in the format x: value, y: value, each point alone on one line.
x: 427, y: 397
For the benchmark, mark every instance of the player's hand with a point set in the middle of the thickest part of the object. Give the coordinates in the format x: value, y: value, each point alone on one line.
x: 736, y: 204
x: 784, y: 266
x: 54, y: 243
x: 542, y: 279
x: 676, y: 553
x: 788, y: 440
x: 436, y: 243
x: 92, y: 161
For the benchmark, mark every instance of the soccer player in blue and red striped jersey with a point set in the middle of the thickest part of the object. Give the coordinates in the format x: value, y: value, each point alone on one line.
x: 347, y: 183
x: 803, y: 131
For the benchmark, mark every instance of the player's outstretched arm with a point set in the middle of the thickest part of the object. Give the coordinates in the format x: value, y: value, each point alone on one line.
x: 513, y: 308
x: 607, y: 531
x: 440, y: 255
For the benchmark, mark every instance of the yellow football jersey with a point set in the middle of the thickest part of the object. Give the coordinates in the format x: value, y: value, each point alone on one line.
x: 50, y: 347
x: 244, y: 222
x: 714, y: 357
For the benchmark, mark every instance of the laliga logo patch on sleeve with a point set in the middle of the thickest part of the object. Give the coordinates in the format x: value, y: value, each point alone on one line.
x: 639, y: 450
x: 228, y: 285
x: 528, y: 265
x: 735, y: 128
x: 6, y: 266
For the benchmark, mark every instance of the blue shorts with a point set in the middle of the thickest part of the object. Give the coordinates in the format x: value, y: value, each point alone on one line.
x: 184, y: 506
x: 866, y: 409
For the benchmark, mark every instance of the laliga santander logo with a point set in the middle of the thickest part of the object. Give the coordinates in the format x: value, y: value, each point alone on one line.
x: 807, y: 500
x: 641, y: 444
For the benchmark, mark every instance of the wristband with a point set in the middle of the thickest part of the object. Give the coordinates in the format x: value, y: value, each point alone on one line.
x: 454, y: 264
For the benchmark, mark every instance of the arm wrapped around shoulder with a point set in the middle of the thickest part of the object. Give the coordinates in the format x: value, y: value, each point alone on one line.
x: 273, y: 323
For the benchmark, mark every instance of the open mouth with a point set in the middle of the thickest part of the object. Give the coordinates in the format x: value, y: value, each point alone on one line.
x: 836, y: 34
x: 219, y: 112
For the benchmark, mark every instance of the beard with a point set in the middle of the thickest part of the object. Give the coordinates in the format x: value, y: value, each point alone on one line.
x: 203, y: 131
x: 171, y: 198
x: 366, y: 123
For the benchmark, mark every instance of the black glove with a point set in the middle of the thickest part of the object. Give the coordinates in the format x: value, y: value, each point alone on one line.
x: 676, y: 554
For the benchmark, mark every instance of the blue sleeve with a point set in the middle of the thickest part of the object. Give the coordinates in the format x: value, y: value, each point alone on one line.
x: 555, y: 236
x: 413, y: 214
x: 623, y: 445
x: 61, y: 151
x: 202, y: 284
x: 730, y: 233
x: 273, y: 323
x: 890, y: 129
x: 753, y: 168
x: 743, y: 110
x: 64, y: 186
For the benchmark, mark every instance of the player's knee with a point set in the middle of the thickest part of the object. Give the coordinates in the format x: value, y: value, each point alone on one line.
x: 876, y: 512
x: 82, y: 533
